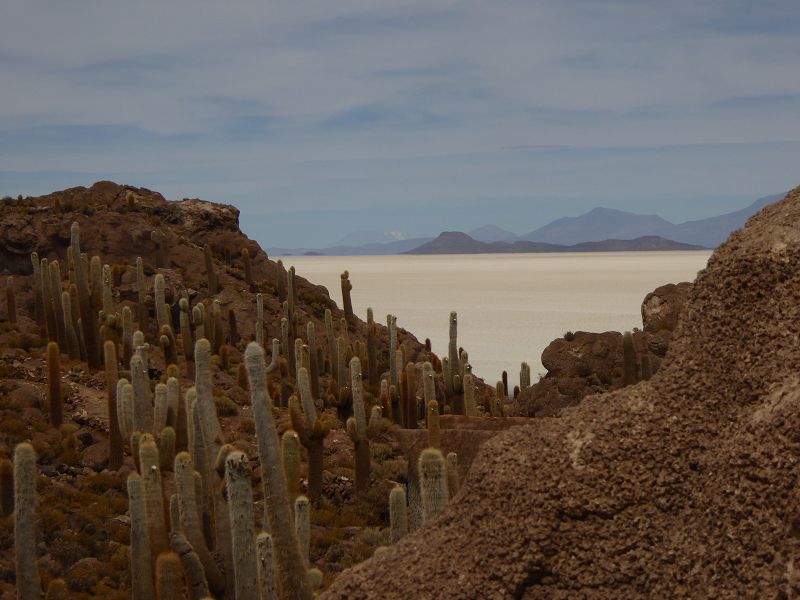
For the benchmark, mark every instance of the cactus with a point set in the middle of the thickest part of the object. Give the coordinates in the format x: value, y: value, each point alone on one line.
x: 357, y: 428
x: 186, y: 329
x: 73, y: 346
x: 291, y: 300
x: 434, y: 433
x: 428, y: 385
x: 190, y: 524
x: 452, y: 352
x: 114, y: 434
x: 158, y: 239
x: 28, y: 585
x: 11, y: 302
x: 375, y: 423
x: 504, y: 379
x: 169, y: 576
x: 331, y: 339
x: 141, y: 289
x: 149, y: 467
x: 54, y: 401
x: 141, y: 560
x: 398, y: 513
x: 96, y: 283
x: 215, y: 328
x: 108, y: 301
x: 213, y: 282
x: 470, y: 408
x: 451, y: 466
x: 260, y: 320
x: 314, y: 366
x: 50, y: 316
x: 55, y: 301
x: 142, y: 404
x: 248, y: 269
x: 266, y: 567
x: 302, y: 526
x: 160, y: 411
x: 38, y: 300
x: 524, y: 376
x: 292, y: 573
x: 347, y: 303
x: 56, y: 590
x: 166, y: 448
x: 159, y: 295
x: 198, y: 320
x: 125, y: 408
x: 394, y: 376
x: 433, y: 483
x: 312, y: 431
x: 192, y: 567
x: 290, y: 457
x: 240, y: 503
x: 280, y: 280
x: 499, y: 396
x: 233, y: 330
x: 84, y: 302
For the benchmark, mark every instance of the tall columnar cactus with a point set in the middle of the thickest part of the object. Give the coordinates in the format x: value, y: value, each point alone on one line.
x: 433, y: 483
x: 357, y: 427
x: 177, y: 405
x: 470, y: 408
x: 213, y: 282
x: 372, y: 349
x: 11, y: 301
x: 108, y: 299
x: 114, y: 435
x: 217, y: 337
x: 55, y: 300
x: 314, y: 367
x: 169, y: 576
x: 290, y: 455
x: 629, y: 368
x: 428, y: 385
x: 291, y: 569
x: 302, y: 526
x: 347, y: 303
x: 28, y: 585
x: 498, y: 406
x: 265, y: 554
x: 524, y: 376
x: 73, y: 346
x: 88, y: 319
x: 125, y: 408
x: 280, y: 280
x: 451, y: 466
x: 453, y: 358
x: 49, y: 311
x: 394, y: 375
x: 141, y: 289
x: 504, y: 379
x: 260, y: 320
x: 434, y: 432
x: 330, y: 337
x: 150, y: 468
x: 248, y: 269
x: 185, y: 322
x: 312, y: 431
x: 159, y: 295
x: 54, y: 401
x: 141, y: 559
x: 143, y: 417
x: 96, y: 283
x: 192, y: 567
x: 291, y: 299
x: 190, y: 523
x: 158, y: 239
x: 398, y: 513
x: 240, y: 503
x: 160, y: 408
x: 38, y: 300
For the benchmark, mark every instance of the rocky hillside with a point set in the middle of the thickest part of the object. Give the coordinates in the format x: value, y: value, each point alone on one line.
x: 684, y: 485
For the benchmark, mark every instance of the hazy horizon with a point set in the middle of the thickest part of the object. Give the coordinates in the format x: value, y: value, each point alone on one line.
x: 320, y: 119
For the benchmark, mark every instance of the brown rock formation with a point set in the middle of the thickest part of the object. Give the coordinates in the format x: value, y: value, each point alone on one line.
x: 681, y: 486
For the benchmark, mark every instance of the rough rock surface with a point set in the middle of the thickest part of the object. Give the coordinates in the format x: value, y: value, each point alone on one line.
x: 685, y: 485
x: 584, y: 363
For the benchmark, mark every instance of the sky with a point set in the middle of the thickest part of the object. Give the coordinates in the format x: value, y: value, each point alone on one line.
x: 319, y: 118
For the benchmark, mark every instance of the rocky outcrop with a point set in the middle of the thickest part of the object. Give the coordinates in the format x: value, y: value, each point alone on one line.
x: 583, y: 363
x: 681, y: 486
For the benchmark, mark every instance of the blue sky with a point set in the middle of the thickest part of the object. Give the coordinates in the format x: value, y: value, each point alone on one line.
x: 319, y: 118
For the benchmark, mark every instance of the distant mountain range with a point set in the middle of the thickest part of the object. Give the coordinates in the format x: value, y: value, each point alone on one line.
x: 614, y: 230
x: 456, y: 242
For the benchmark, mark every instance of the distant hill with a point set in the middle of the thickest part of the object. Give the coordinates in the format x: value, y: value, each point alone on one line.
x: 492, y: 233
x: 360, y: 238
x: 457, y: 242
x: 377, y: 249
x: 606, y: 223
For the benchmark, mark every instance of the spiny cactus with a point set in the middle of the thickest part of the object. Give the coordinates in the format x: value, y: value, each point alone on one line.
x: 240, y: 503
x: 453, y: 354
x: 11, y: 302
x: 125, y: 408
x: 630, y: 373
x: 192, y: 567
x: 470, y: 408
x: 394, y: 375
x: 290, y: 455
x: 314, y: 367
x: 312, y: 431
x: 96, y: 283
x: 347, y: 303
x: 55, y: 404
x: 266, y: 567
x: 433, y: 483
x: 291, y: 569
x: 398, y: 513
x: 28, y: 584
x: 357, y: 427
x: 504, y: 378
x: 160, y: 411
x: 158, y: 239
x: 409, y: 390
x: 73, y: 346
x: 498, y: 405
x: 55, y: 301
x: 141, y: 559
x: 185, y: 323
x: 166, y: 448
x: 302, y: 526
x: 451, y: 466
x: 169, y: 582
x: 260, y: 320
x: 142, y: 404
x: 159, y: 295
x: 428, y: 385
x: 213, y: 282
x: 330, y: 336
x: 375, y: 423
x: 108, y: 299
x: 524, y: 376
x: 38, y: 300
x: 114, y: 435
x: 434, y: 433
x: 88, y: 320
x: 49, y: 311
x: 291, y: 300
x: 150, y: 468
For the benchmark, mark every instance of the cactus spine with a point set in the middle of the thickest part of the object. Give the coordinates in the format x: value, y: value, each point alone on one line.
x: 433, y: 483
x: 54, y: 385
x: 240, y: 503
x: 141, y: 559
x: 398, y: 513
x: 28, y: 584
x: 292, y: 573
